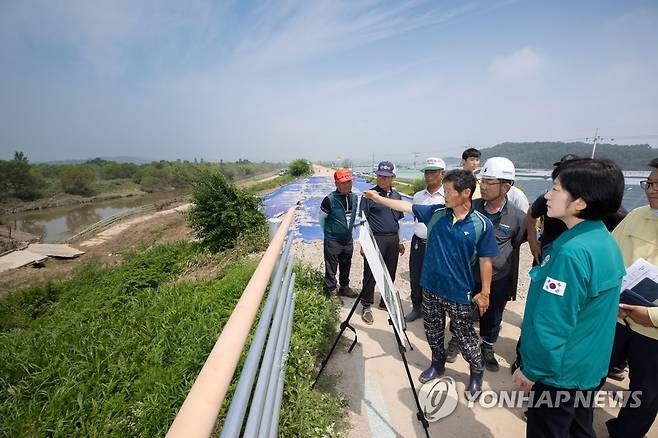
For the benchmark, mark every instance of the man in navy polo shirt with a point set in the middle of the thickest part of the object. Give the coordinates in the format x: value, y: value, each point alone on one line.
x: 457, y: 238
x: 385, y: 227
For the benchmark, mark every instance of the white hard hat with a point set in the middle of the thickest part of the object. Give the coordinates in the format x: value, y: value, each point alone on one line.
x: 498, y: 168
x: 433, y: 163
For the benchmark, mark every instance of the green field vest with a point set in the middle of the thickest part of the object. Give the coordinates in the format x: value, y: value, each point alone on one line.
x: 335, y: 225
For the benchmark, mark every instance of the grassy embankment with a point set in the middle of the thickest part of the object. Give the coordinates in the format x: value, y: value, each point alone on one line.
x: 114, y: 350
x: 271, y: 184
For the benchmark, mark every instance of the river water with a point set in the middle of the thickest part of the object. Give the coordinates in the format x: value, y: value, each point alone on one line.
x: 60, y: 223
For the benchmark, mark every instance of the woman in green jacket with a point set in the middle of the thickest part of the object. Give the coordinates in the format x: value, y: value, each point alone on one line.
x: 571, y: 311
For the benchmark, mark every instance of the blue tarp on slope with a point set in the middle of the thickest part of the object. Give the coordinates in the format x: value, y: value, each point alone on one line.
x: 310, y: 191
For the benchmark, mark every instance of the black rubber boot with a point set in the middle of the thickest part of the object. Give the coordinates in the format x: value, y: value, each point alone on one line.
x: 490, y: 361
x: 453, y: 350
x: 414, y: 314
x: 474, y: 388
x: 436, y: 370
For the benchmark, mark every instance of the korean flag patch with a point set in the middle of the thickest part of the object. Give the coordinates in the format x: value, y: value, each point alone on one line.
x: 554, y: 286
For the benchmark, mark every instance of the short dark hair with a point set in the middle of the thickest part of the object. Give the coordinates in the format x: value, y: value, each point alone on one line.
x: 461, y: 180
x: 654, y: 163
x: 566, y: 159
x: 471, y: 152
x: 600, y: 183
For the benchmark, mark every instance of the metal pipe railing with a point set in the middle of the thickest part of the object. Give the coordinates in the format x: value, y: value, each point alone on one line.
x: 278, y: 394
x: 240, y: 399
x: 273, y: 378
x: 198, y: 414
x: 258, y: 400
x: 110, y: 220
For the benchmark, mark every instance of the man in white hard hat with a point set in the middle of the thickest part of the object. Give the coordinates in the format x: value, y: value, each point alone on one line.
x: 496, y: 179
x: 432, y: 194
x: 471, y: 161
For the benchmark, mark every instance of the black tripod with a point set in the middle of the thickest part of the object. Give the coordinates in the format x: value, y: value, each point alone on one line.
x: 346, y: 325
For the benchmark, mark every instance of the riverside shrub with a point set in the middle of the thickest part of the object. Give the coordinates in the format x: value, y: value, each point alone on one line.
x: 299, y: 167
x: 222, y: 211
x: 78, y: 180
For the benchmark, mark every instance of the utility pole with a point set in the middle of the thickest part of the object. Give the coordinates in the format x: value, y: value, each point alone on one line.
x: 596, y: 140
x: 372, y: 164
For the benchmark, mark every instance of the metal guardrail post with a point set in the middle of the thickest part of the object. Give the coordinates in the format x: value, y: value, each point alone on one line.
x: 198, y: 414
x: 235, y: 415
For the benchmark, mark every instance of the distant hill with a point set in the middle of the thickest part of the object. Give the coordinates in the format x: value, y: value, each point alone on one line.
x: 121, y: 159
x: 542, y: 155
x: 452, y: 161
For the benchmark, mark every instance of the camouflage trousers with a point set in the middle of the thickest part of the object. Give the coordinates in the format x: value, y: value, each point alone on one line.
x: 435, y: 309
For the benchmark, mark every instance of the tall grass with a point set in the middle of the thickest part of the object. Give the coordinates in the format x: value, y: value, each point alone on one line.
x: 117, y: 351
x: 307, y: 413
x: 114, y: 351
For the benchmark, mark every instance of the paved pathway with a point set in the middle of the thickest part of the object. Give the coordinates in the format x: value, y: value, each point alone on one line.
x: 310, y: 191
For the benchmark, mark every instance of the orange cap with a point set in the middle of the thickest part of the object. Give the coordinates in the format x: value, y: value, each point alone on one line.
x: 343, y: 175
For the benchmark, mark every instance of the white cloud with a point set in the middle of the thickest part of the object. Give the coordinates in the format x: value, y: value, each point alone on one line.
x: 317, y: 28
x: 523, y: 64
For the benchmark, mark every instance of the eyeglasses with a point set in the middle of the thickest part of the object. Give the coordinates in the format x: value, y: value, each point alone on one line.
x: 649, y: 184
x: 490, y: 182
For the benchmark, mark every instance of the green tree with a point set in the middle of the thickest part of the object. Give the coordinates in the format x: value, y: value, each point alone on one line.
x: 112, y: 170
x: 19, y: 180
x: 78, y: 180
x: 299, y: 167
x: 221, y: 211
x: 20, y: 156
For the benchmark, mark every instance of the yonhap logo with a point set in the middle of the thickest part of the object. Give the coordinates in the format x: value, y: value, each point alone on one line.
x: 438, y: 398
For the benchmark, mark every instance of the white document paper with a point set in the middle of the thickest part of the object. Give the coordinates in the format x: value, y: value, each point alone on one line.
x: 637, y: 272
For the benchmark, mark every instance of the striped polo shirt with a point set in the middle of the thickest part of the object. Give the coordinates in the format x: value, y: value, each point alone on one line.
x: 453, y: 249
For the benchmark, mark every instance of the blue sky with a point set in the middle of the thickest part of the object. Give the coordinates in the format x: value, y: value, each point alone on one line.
x: 276, y: 80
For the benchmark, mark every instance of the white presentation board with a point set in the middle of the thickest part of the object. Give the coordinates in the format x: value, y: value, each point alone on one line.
x: 383, y: 279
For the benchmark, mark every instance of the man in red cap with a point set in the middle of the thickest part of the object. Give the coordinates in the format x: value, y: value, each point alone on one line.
x: 337, y: 216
